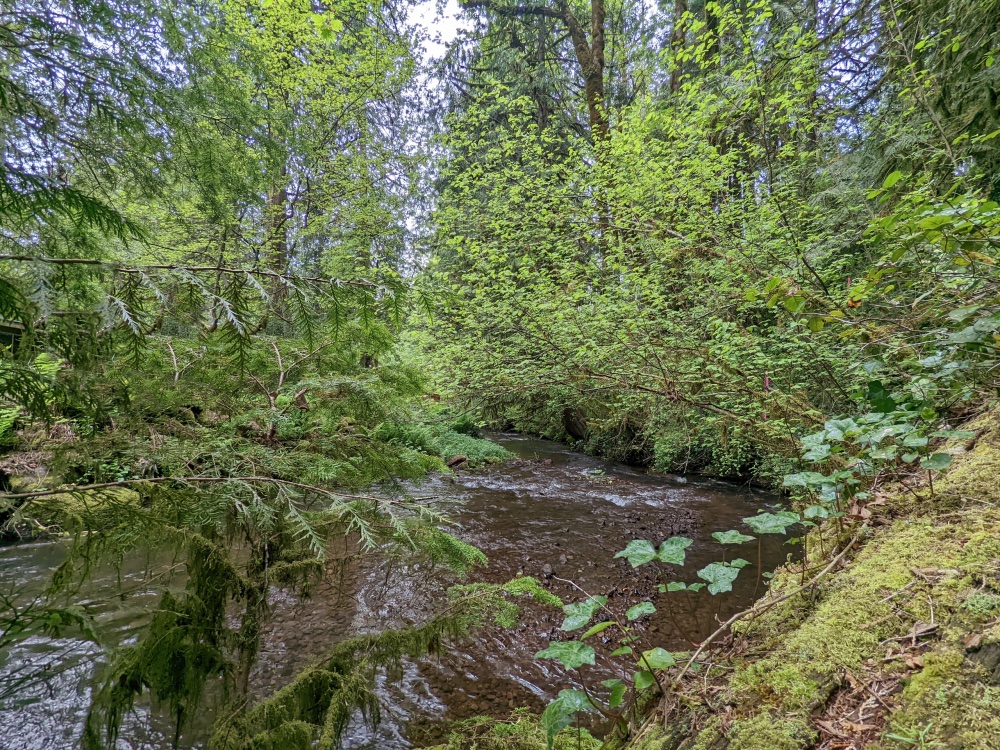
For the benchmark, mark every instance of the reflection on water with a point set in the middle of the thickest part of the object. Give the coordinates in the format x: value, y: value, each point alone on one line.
x: 555, y: 515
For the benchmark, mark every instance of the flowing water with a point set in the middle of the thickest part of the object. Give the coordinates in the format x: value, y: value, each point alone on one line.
x: 554, y: 514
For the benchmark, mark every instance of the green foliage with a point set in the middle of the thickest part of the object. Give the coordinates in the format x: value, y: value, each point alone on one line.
x: 442, y: 441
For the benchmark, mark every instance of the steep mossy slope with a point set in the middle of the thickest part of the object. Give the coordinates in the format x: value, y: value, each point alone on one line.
x: 898, y: 648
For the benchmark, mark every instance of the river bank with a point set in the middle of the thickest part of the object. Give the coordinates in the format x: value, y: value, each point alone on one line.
x: 551, y: 513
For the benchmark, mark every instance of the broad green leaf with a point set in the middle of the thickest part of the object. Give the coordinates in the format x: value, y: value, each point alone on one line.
x: 803, y: 479
x: 623, y: 651
x: 676, y: 586
x: 937, y: 462
x: 962, y: 313
x: 571, y: 654
x: 643, y: 680
x: 731, y: 537
x: 892, y: 179
x: 739, y: 562
x: 559, y: 713
x: 643, y: 608
x: 638, y: 552
x: 672, y: 550
x: 772, y: 523
x: 720, y: 577
x: 658, y: 658
x: 580, y: 614
x: 968, y: 335
x: 617, y: 694
x: 879, y: 397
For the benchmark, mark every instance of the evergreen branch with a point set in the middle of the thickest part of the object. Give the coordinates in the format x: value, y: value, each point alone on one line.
x: 119, y: 268
x: 275, y: 481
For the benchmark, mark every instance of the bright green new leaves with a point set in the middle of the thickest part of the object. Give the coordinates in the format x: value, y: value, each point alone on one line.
x: 639, y: 551
x: 731, y: 537
x: 579, y: 614
x: 572, y: 654
x: 643, y: 608
x: 772, y: 523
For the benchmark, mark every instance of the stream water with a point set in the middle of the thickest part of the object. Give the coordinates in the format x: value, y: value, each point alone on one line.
x: 553, y: 514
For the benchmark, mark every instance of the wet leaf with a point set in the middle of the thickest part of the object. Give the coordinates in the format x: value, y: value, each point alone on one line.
x: 772, y: 523
x: 643, y: 608
x: 643, y: 680
x: 672, y: 550
x: 731, y: 537
x: 559, y: 713
x: 937, y: 462
x: 579, y: 614
x: 571, y: 654
x: 658, y: 658
x: 638, y: 552
x: 720, y: 577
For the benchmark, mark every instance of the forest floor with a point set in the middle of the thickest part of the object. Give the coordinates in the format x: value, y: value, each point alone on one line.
x: 898, y: 646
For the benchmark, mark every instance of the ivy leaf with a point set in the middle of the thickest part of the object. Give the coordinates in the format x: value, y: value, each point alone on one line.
x: 643, y: 608
x: 720, y: 577
x: 696, y: 586
x: 559, y: 713
x: 772, y: 523
x: 571, y: 654
x: 739, y: 562
x: 643, y: 680
x: 731, y: 537
x: 803, y: 479
x: 937, y: 462
x: 638, y: 552
x: 676, y: 586
x: 672, y: 550
x: 658, y: 658
x: 623, y: 651
x: 579, y: 614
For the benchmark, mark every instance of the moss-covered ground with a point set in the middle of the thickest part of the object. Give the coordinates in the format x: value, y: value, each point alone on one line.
x: 899, y: 648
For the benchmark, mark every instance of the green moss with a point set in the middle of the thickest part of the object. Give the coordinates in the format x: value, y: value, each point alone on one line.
x: 950, y: 703
x: 520, y: 732
x: 766, y: 731
x: 981, y: 603
x: 975, y: 473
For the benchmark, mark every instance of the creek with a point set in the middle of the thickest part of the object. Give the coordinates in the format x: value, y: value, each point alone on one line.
x: 554, y: 514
